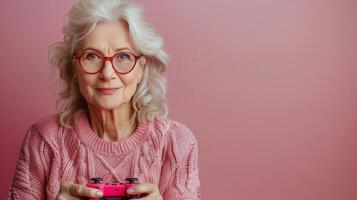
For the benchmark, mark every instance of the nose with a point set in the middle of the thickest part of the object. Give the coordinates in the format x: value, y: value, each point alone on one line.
x: 107, y: 71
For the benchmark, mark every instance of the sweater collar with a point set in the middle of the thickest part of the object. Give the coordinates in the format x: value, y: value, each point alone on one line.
x: 97, y: 144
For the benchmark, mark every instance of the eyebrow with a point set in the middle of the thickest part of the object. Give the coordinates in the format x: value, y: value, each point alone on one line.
x: 115, y: 50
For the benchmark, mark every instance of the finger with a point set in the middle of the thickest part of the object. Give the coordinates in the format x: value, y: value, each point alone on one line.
x: 142, y: 188
x: 82, y: 190
x: 152, y: 196
x: 66, y: 196
x: 64, y: 193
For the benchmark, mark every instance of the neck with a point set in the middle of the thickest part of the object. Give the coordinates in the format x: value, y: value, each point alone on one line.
x: 112, y: 125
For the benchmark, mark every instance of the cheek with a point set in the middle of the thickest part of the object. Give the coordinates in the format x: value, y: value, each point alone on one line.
x: 133, y: 77
x: 130, y: 88
x: 130, y: 81
x: 85, y: 88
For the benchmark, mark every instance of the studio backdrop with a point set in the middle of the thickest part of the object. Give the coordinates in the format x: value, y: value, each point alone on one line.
x: 268, y: 87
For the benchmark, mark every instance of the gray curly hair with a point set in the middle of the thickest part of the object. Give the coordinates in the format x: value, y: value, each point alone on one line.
x: 149, y: 100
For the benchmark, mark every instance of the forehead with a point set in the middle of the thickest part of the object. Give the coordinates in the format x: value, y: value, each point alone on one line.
x: 108, y: 36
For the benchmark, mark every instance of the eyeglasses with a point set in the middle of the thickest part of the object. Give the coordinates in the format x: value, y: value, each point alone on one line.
x: 93, y: 62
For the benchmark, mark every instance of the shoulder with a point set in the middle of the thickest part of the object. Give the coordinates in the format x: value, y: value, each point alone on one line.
x: 46, y: 128
x: 40, y: 139
x: 174, y: 132
x: 48, y: 121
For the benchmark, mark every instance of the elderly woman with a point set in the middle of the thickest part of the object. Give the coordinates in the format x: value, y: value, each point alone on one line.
x: 112, y: 114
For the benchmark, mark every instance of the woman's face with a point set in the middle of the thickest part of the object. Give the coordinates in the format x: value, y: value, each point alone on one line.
x: 107, y: 89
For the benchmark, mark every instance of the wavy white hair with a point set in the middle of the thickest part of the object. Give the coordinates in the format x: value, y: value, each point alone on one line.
x: 149, y: 100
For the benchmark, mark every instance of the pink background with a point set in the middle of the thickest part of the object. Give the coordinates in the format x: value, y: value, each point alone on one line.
x: 269, y: 87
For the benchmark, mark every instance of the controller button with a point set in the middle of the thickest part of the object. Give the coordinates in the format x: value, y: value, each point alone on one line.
x: 132, y: 180
x: 96, y: 180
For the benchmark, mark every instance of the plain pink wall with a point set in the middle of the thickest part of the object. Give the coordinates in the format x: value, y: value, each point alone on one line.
x: 269, y: 87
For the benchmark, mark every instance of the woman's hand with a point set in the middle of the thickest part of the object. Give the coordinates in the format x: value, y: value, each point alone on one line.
x: 71, y: 191
x: 152, y: 191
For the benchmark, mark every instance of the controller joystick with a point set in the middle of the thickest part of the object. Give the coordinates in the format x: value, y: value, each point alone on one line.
x: 132, y: 180
x: 96, y: 180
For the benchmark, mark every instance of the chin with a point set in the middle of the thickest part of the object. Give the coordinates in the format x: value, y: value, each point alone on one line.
x: 108, y: 106
x: 108, y: 103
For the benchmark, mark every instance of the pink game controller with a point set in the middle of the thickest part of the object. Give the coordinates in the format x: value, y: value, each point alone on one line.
x: 114, y: 191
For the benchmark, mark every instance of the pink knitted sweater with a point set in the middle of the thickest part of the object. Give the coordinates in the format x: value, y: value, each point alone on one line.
x: 162, y: 152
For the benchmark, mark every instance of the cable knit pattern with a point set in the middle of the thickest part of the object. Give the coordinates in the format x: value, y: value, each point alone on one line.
x: 162, y: 152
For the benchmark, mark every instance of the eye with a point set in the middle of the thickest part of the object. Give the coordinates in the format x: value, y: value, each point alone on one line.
x: 124, y: 56
x: 90, y: 56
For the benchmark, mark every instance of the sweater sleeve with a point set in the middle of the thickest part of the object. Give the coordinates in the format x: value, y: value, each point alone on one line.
x: 180, y: 177
x: 32, y: 168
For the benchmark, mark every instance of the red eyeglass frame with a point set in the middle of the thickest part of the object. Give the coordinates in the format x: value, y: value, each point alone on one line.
x: 104, y: 59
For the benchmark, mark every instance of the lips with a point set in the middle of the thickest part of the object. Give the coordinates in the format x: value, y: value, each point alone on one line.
x: 107, y: 91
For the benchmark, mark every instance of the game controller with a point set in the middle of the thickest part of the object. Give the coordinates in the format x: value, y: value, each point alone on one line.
x: 113, y: 191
